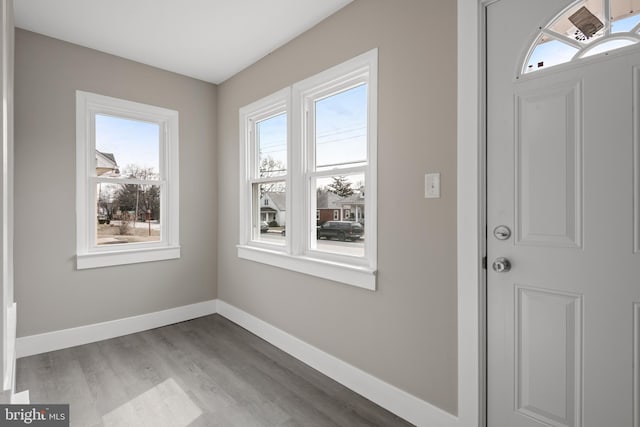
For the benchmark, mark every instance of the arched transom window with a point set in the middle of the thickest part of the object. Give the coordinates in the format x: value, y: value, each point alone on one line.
x: 587, y: 27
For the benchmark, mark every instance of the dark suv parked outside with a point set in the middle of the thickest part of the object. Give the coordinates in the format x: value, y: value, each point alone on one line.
x: 103, y: 216
x: 341, y: 230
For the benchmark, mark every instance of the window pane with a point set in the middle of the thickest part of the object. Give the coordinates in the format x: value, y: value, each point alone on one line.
x: 625, y: 24
x: 340, y: 226
x: 127, y: 213
x: 127, y: 148
x: 269, y: 210
x: 549, y: 53
x: 609, y: 46
x: 341, y: 129
x: 271, y: 137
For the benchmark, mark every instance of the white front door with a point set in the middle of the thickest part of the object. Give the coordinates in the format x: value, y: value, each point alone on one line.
x: 563, y: 174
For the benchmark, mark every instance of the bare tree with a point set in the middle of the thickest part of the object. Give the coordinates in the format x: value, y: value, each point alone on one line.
x: 269, y: 167
x: 138, y: 172
x: 139, y: 197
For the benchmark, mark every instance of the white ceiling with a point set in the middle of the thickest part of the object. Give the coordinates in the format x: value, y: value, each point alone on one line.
x: 209, y: 40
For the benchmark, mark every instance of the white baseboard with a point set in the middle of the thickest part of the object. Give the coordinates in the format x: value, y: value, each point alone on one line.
x: 57, y: 340
x: 399, y: 402
x: 21, y: 398
x: 9, y: 385
x: 9, y: 381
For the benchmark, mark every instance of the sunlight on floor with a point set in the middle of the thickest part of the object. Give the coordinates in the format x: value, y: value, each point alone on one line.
x: 164, y: 405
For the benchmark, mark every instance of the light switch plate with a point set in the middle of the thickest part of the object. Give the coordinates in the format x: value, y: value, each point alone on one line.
x: 432, y: 185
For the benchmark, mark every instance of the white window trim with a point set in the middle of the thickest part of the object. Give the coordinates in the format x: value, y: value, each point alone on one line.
x: 88, y: 254
x: 295, y: 255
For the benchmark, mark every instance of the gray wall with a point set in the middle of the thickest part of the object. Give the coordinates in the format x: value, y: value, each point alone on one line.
x: 51, y: 294
x: 404, y: 333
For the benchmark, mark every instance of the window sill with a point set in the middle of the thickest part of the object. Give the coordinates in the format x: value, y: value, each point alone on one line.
x: 361, y: 277
x: 126, y: 256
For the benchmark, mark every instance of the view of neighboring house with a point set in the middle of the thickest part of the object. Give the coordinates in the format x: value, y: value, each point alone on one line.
x: 273, y: 207
x: 331, y: 207
x: 106, y: 164
x: 327, y: 208
x: 352, y: 207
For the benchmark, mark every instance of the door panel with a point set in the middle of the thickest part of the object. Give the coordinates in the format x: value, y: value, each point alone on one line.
x: 548, y: 356
x: 548, y: 124
x: 563, y: 156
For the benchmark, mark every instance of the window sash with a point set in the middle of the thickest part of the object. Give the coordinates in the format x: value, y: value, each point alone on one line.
x: 266, y: 114
x: 255, y: 234
x: 310, y: 235
x: 123, y: 181
x: 267, y: 180
x: 333, y: 172
x: 93, y: 195
x: 162, y: 136
x: 325, y: 91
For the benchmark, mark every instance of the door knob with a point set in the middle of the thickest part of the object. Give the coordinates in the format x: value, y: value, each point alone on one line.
x: 501, y: 265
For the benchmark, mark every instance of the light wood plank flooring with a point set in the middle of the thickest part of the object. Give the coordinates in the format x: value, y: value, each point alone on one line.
x: 204, y: 372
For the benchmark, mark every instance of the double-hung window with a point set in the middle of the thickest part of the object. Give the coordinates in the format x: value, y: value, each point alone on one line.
x: 126, y: 182
x: 308, y: 175
x: 265, y: 175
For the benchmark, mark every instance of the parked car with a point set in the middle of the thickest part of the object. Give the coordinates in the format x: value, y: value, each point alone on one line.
x: 103, y: 216
x: 341, y: 230
x: 264, y: 226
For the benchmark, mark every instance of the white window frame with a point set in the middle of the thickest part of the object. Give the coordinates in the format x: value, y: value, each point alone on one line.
x: 89, y: 254
x: 298, y: 253
x: 250, y: 115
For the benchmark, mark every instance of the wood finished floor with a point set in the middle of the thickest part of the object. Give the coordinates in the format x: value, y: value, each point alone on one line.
x: 204, y: 372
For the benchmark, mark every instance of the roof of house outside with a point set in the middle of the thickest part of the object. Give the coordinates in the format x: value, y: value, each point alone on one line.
x: 106, y: 164
x: 327, y: 200
x: 354, y: 199
x: 279, y: 199
x: 109, y: 156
